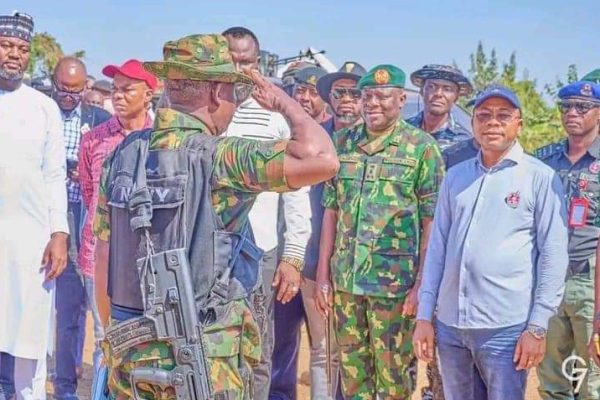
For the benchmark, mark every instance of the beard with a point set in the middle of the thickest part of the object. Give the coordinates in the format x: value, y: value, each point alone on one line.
x: 347, y: 118
x: 11, y: 76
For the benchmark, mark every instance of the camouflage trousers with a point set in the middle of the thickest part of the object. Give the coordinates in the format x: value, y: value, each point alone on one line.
x: 375, y: 344
x: 232, y: 348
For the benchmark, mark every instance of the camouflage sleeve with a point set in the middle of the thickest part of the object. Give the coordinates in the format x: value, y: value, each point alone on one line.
x: 101, y: 219
x: 429, y: 179
x: 330, y: 195
x: 250, y: 165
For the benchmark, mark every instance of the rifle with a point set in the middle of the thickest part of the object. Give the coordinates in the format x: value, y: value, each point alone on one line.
x: 170, y: 316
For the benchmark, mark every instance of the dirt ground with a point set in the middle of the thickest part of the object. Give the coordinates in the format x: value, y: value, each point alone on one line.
x: 85, y: 383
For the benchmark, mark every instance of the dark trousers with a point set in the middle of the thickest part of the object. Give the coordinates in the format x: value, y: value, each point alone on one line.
x: 288, y: 320
x: 70, y: 314
x: 7, y: 373
x: 262, y: 307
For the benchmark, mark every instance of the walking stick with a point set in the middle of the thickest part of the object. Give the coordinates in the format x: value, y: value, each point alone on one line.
x: 325, y: 290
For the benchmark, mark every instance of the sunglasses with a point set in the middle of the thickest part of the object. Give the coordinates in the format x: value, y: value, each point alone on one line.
x: 76, y: 95
x: 339, y: 93
x: 580, y: 107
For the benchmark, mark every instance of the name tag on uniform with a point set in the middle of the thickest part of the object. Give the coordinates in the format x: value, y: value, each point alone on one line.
x: 578, y: 212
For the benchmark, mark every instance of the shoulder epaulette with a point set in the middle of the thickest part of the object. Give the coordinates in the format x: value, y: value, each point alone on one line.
x: 548, y: 150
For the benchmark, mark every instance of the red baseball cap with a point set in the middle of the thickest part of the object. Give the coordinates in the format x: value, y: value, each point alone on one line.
x: 132, y: 69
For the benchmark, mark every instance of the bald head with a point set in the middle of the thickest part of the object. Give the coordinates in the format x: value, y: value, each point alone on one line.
x: 69, y: 82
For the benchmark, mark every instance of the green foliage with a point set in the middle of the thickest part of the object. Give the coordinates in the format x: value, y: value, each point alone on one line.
x: 541, y: 120
x: 45, y: 53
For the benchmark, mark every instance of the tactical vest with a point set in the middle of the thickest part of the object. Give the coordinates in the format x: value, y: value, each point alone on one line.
x: 168, y: 192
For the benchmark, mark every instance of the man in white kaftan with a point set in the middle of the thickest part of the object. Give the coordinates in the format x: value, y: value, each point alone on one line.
x: 33, y: 212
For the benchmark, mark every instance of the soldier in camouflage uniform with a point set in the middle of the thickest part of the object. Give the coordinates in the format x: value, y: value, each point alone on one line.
x: 202, y: 90
x: 379, y: 210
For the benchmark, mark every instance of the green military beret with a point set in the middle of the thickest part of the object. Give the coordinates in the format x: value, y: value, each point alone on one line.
x: 383, y: 76
x: 593, y: 76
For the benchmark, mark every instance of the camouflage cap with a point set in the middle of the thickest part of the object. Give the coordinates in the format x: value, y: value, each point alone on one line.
x: 445, y: 72
x: 593, y: 76
x: 383, y: 76
x: 203, y: 57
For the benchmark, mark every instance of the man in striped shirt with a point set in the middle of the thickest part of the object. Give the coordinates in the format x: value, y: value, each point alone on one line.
x: 281, y: 280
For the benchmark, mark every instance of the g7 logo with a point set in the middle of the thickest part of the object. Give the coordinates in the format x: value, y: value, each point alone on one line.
x: 575, y: 373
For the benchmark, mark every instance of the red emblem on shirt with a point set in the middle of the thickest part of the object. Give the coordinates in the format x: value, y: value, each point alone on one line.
x: 513, y: 199
x: 595, y: 167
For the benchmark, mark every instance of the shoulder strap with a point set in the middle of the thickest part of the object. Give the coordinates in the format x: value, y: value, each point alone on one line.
x: 140, y: 200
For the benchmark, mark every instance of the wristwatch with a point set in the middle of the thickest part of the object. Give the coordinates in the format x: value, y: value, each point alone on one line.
x: 536, y: 331
x: 294, y: 262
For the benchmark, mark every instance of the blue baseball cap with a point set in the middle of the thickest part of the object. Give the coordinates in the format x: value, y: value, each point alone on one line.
x: 581, y: 90
x: 497, y: 91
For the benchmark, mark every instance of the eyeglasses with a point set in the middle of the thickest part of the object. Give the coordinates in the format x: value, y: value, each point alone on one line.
x: 504, y: 117
x: 339, y: 93
x: 76, y: 95
x: 241, y: 92
x: 580, y: 107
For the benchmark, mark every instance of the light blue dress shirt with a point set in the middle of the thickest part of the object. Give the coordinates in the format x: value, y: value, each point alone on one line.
x: 497, y: 254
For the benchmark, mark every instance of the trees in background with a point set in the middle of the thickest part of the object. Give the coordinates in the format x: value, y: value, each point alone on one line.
x: 45, y: 53
x: 541, y: 118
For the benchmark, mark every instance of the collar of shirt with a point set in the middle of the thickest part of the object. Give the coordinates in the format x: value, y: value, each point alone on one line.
x: 593, y: 150
x: 171, y: 127
x: 74, y: 113
x: 375, y: 145
x: 512, y: 157
x: 450, y: 123
x: 115, y: 128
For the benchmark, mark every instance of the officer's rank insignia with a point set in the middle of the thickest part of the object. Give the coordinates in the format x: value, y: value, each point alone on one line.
x: 312, y: 80
x: 349, y: 67
x: 513, y: 199
x: 586, y: 90
x: 382, y: 77
x: 595, y: 167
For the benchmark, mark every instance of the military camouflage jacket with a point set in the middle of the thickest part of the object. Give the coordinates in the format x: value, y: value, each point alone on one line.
x: 384, y: 187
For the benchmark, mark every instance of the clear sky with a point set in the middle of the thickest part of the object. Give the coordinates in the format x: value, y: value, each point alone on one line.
x: 547, y: 35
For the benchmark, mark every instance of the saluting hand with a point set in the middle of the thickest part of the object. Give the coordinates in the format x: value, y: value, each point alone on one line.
x: 266, y: 93
x: 55, y: 255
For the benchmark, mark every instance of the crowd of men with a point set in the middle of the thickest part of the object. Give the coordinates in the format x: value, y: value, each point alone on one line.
x: 307, y: 201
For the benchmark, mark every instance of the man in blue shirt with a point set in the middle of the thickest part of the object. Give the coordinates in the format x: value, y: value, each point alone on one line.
x: 496, y: 262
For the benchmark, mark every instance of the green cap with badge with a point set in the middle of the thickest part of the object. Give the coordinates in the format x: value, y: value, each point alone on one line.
x: 384, y: 75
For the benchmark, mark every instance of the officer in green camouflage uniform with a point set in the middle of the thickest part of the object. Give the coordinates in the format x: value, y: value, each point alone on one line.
x: 379, y: 210
x: 204, y: 90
